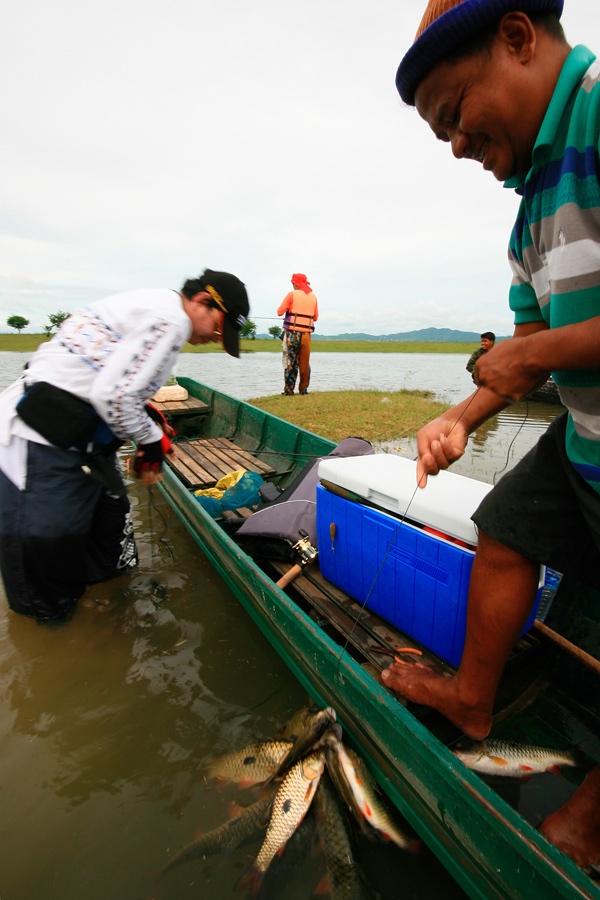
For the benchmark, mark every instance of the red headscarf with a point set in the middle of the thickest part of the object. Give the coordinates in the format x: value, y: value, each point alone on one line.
x: 301, y: 282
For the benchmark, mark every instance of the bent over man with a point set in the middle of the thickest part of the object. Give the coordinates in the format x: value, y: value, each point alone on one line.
x: 64, y: 514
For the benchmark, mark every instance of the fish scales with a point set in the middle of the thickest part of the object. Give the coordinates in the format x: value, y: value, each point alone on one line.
x: 291, y: 803
x: 252, y: 764
x: 344, y: 882
x: 512, y: 759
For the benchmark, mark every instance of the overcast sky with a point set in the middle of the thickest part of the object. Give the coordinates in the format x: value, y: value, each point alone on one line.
x: 144, y: 141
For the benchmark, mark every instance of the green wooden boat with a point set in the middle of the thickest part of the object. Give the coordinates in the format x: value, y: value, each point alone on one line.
x: 482, y: 830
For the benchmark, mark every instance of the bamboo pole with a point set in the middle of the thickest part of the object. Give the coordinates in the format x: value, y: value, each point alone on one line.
x: 572, y: 649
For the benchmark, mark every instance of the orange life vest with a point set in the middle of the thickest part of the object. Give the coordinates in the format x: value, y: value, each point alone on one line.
x: 300, y: 315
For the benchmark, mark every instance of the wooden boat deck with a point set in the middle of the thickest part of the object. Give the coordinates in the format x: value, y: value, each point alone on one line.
x: 189, y: 407
x: 201, y: 463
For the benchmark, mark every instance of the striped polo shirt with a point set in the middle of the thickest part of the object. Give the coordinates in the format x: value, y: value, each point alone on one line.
x: 554, y: 249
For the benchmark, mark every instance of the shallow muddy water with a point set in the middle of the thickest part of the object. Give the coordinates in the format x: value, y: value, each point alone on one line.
x: 108, y: 723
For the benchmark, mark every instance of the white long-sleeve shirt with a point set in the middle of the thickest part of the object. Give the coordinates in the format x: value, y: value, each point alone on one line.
x: 114, y: 354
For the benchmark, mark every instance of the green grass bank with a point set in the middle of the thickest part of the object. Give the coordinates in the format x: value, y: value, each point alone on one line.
x: 27, y: 343
x: 375, y: 415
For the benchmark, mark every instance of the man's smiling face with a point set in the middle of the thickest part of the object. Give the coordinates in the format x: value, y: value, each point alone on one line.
x: 480, y: 105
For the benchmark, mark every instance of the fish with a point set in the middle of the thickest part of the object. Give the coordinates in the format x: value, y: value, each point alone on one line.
x: 365, y: 794
x: 343, y: 882
x: 248, y: 824
x: 308, y: 731
x: 250, y: 765
x: 292, y: 801
x: 508, y: 758
x: 297, y: 723
x: 336, y: 773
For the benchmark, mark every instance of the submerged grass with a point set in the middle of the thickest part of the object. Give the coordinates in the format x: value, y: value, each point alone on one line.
x: 374, y: 415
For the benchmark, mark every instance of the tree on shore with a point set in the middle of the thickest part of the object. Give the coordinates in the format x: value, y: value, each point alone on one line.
x: 248, y: 330
x: 18, y: 322
x: 57, y: 318
x: 276, y: 331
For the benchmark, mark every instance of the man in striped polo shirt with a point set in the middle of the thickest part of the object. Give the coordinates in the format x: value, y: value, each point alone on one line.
x: 497, y: 80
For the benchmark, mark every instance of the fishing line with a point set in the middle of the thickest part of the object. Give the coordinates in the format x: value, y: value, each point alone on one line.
x: 391, y: 543
x: 160, y: 539
x: 516, y: 435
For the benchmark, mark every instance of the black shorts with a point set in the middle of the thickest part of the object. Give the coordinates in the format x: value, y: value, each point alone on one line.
x: 545, y: 510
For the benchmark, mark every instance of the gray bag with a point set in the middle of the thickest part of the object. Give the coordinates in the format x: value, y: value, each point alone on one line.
x: 272, y: 531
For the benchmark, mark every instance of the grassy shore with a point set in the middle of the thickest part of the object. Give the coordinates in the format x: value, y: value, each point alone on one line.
x: 374, y: 415
x: 27, y: 343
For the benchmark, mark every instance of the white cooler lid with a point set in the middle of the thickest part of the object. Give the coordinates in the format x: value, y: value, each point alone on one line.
x: 446, y: 502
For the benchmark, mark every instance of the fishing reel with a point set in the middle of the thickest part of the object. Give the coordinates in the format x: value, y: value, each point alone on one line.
x: 305, y: 549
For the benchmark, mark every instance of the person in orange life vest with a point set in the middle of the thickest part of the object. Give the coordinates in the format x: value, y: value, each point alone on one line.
x: 301, y: 312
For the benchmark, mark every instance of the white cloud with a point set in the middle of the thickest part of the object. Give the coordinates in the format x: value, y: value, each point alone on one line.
x: 142, y: 142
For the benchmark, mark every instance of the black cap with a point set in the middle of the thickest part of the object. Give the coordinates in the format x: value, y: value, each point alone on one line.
x: 229, y: 295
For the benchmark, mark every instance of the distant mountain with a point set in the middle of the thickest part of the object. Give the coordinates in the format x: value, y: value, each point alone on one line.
x: 432, y: 335
x: 435, y: 335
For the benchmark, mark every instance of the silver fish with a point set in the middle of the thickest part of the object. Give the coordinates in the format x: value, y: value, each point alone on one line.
x: 247, y: 825
x: 292, y: 800
x: 251, y: 765
x: 343, y: 882
x: 492, y: 757
x: 366, y: 796
x: 331, y: 739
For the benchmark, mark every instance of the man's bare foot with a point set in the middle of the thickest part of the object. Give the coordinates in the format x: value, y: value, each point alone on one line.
x: 422, y: 685
x: 575, y: 827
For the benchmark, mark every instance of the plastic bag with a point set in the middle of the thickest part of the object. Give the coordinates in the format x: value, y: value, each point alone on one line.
x: 222, y: 485
x: 244, y: 492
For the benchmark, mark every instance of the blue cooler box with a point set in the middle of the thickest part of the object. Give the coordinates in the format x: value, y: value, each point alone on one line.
x: 413, y: 572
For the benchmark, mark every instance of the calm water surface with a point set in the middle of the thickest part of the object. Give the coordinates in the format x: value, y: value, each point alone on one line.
x: 108, y: 724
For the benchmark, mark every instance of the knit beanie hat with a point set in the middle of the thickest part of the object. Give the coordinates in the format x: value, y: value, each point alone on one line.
x: 447, y: 24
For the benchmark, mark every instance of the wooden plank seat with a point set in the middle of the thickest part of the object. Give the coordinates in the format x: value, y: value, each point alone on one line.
x: 189, y: 407
x: 201, y: 463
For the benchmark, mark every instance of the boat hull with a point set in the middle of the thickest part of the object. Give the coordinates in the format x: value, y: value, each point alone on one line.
x: 490, y: 850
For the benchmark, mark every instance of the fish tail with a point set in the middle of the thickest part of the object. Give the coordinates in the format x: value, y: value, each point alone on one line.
x: 252, y: 879
x: 580, y: 760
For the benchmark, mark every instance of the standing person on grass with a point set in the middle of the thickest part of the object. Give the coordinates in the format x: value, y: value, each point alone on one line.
x: 497, y: 80
x: 488, y: 339
x: 65, y: 519
x: 301, y: 312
